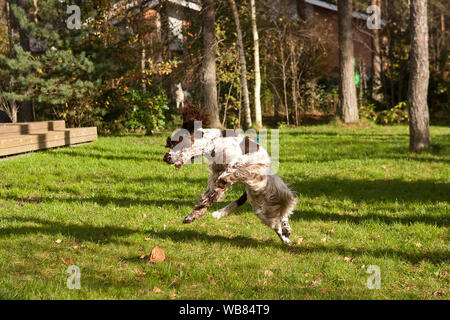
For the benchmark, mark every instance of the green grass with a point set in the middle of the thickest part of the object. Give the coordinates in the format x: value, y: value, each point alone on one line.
x: 363, y: 200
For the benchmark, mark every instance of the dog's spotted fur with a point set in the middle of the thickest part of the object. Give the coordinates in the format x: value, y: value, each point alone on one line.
x: 235, y: 158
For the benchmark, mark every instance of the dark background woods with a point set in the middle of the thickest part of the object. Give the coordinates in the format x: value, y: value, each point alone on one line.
x: 119, y: 70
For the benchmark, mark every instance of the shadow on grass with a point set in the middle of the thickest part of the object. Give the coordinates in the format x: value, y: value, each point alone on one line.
x: 436, y: 256
x: 81, y: 232
x: 423, y: 191
x: 310, y: 215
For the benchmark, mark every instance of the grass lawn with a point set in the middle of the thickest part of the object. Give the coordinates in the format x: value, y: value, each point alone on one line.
x: 363, y: 200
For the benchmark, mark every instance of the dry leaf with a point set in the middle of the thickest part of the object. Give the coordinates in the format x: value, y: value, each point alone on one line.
x: 58, y: 241
x: 67, y: 261
x: 268, y: 273
x: 299, y: 240
x: 142, y: 257
x: 348, y: 259
x: 316, y: 282
x: 157, y: 255
x: 156, y: 290
x: 332, y: 230
x: 324, y: 239
x: 323, y: 291
x: 418, y: 245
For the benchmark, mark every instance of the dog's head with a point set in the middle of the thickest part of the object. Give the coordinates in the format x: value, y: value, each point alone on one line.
x: 184, y: 145
x: 187, y: 143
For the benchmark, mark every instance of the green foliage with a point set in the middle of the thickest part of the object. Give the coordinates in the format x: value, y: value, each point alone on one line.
x: 146, y: 110
x: 396, y: 115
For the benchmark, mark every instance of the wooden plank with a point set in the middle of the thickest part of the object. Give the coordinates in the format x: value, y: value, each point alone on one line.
x: 31, y: 127
x: 43, y: 138
x: 49, y: 144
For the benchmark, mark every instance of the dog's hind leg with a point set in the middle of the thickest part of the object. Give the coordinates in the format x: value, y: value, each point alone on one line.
x: 230, y: 208
x: 280, y: 231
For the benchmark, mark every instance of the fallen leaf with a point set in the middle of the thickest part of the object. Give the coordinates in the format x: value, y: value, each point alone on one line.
x: 268, y: 273
x: 316, y: 282
x: 299, y: 240
x: 156, y: 290
x: 141, y: 273
x: 324, y: 239
x: 67, y: 261
x: 332, y: 230
x: 157, y: 255
x: 58, y: 241
x: 323, y: 291
x: 142, y: 257
x: 348, y: 259
x: 418, y: 245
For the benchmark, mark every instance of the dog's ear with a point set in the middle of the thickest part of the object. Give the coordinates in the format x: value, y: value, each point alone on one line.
x: 190, y: 114
x: 168, y: 142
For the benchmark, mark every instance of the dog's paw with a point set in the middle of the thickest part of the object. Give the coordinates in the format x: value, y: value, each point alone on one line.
x: 189, y: 219
x: 217, y: 215
x: 286, y: 240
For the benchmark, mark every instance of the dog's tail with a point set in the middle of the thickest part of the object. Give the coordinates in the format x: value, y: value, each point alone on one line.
x: 278, y: 193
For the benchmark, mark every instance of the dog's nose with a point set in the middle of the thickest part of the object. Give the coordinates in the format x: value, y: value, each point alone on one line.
x: 168, y: 158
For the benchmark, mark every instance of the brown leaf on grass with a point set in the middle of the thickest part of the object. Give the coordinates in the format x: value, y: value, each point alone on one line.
x: 66, y: 261
x: 323, y: 291
x: 155, y: 290
x: 268, y: 273
x: 348, y: 259
x: 142, y: 257
x: 299, y: 240
x: 157, y: 255
x: 58, y: 241
x: 332, y: 230
x: 418, y: 245
x: 317, y: 282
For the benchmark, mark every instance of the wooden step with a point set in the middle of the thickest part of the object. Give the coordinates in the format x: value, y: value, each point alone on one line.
x: 31, y: 127
x: 24, y: 143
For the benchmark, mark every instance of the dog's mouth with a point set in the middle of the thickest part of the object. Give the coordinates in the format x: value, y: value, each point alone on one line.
x: 178, y: 164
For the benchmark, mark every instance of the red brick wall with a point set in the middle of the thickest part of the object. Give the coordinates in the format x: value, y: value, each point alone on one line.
x: 328, y: 19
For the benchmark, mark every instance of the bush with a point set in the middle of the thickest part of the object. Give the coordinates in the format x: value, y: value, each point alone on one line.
x: 398, y: 114
x: 147, y: 110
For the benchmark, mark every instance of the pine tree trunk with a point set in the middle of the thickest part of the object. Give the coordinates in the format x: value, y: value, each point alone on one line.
x: 244, y: 85
x: 209, y: 63
x: 348, y: 105
x: 376, y: 61
x: 258, y: 116
x: 419, y: 118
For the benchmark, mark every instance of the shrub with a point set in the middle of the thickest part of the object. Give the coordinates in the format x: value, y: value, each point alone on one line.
x: 147, y: 110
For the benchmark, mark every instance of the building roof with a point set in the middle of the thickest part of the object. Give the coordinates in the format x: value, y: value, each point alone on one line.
x: 333, y: 7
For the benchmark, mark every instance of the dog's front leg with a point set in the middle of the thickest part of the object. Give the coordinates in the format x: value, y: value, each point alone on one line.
x: 216, y: 188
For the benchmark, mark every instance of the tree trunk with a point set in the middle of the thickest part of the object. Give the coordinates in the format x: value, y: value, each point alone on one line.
x: 258, y: 117
x: 419, y: 118
x: 348, y: 105
x: 376, y: 61
x: 244, y: 86
x: 209, y: 64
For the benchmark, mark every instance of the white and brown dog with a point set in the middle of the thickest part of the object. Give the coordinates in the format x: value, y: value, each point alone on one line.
x: 234, y: 158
